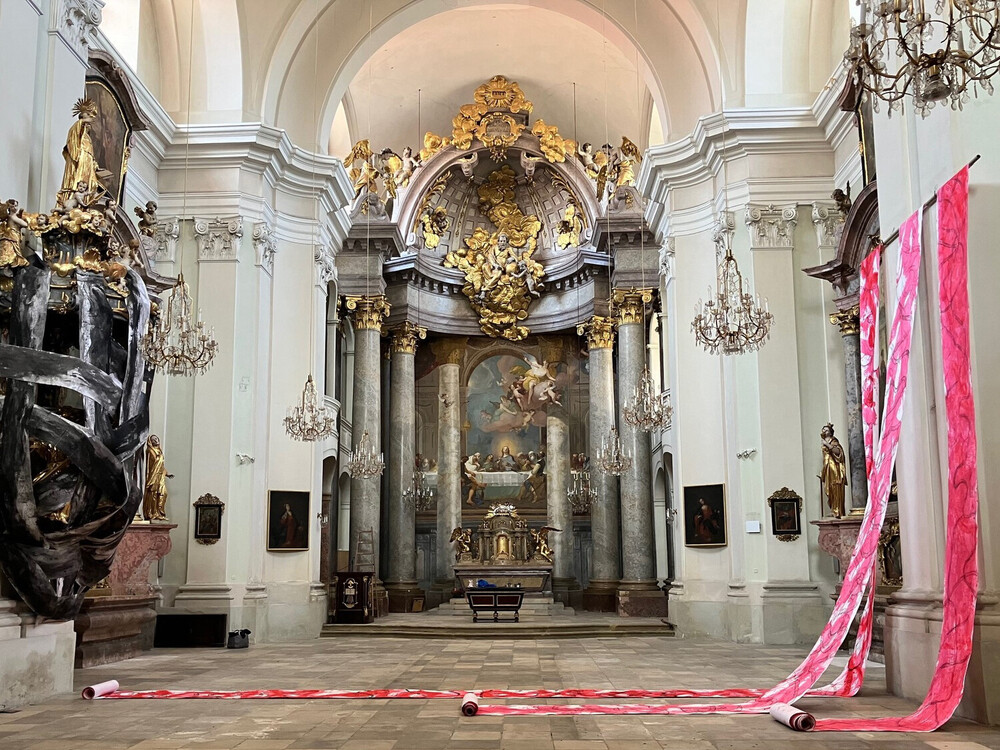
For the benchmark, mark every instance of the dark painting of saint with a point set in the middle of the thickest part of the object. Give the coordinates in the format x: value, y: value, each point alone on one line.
x: 288, y: 519
x: 704, y: 516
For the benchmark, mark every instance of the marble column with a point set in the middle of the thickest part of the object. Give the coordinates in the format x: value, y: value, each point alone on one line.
x: 368, y: 314
x: 638, y: 594
x: 401, y: 577
x: 605, y: 565
x: 565, y: 587
x: 849, y: 324
x: 448, y: 353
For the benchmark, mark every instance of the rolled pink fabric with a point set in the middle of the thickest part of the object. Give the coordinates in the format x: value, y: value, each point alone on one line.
x: 470, y: 704
x: 100, y: 689
x: 793, y: 717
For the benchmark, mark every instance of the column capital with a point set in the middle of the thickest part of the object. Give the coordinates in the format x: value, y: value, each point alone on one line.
x: 630, y: 304
x: 849, y: 320
x: 404, y: 337
x: 218, y: 239
x: 368, y: 313
x: 450, y: 350
x: 771, y: 227
x: 600, y: 332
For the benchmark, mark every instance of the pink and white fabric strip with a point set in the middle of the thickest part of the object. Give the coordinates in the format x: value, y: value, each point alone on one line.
x: 881, y: 440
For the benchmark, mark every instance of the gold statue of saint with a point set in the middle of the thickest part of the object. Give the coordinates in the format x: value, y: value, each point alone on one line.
x: 12, y: 222
x: 81, y: 166
x: 154, y: 496
x: 834, y: 473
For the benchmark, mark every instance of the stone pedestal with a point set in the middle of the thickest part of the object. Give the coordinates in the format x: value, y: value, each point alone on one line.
x: 117, y: 621
x: 837, y: 537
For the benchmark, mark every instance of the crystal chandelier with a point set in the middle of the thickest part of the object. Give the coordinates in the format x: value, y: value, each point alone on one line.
x: 419, y: 493
x: 174, y: 343
x: 612, y: 458
x: 937, y: 55
x: 365, y: 463
x: 310, y: 420
x: 581, y: 495
x: 648, y: 409
x: 734, y: 322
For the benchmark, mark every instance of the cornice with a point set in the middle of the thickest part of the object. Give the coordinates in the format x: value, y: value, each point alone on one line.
x: 737, y: 135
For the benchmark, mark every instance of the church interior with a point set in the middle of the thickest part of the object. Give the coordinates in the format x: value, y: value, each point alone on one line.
x: 524, y: 374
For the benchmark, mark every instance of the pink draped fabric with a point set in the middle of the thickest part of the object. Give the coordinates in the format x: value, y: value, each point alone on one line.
x: 881, y: 440
x: 961, y: 576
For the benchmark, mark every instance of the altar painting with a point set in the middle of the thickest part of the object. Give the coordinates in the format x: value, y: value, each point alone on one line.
x: 506, y: 409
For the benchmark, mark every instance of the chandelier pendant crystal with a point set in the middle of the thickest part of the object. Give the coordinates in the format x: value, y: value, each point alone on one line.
x: 902, y: 48
x: 612, y: 458
x: 178, y: 343
x: 581, y: 495
x: 418, y: 493
x: 310, y: 421
x: 735, y: 322
x: 365, y: 462
x: 648, y: 409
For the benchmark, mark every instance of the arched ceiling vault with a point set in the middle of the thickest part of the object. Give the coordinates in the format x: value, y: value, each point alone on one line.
x: 255, y: 59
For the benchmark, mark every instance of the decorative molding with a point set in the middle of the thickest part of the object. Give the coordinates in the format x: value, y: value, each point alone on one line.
x: 165, y: 239
x: 829, y: 222
x: 218, y: 239
x: 667, y: 252
x: 326, y: 265
x: 264, y: 244
x: 722, y: 233
x: 76, y: 23
x: 771, y: 226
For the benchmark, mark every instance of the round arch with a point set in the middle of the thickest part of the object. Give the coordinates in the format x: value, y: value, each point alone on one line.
x: 681, y: 72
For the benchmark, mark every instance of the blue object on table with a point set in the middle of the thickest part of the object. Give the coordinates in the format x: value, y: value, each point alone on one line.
x: 482, y: 583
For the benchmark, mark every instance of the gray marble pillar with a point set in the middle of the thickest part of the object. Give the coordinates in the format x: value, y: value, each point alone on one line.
x: 638, y: 594
x: 367, y: 313
x: 401, y: 576
x: 557, y: 475
x: 449, y: 353
x: 848, y: 323
x: 605, y: 568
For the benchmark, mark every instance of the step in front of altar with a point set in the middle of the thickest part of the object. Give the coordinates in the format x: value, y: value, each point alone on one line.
x: 534, y: 606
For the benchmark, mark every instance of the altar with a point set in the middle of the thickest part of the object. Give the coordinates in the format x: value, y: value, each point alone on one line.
x: 505, y: 553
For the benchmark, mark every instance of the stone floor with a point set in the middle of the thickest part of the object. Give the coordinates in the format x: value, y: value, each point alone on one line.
x: 66, y: 722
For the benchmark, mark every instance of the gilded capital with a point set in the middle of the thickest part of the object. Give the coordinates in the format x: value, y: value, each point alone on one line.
x: 630, y: 304
x: 600, y: 332
x: 404, y: 338
x: 849, y: 321
x: 368, y: 313
x: 450, y: 350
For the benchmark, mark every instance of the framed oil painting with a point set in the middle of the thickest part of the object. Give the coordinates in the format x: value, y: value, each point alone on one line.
x: 208, y: 519
x: 786, y: 514
x: 705, y: 516
x: 287, y: 521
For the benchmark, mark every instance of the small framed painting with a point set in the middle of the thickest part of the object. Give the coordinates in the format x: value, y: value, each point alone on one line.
x: 287, y: 521
x: 786, y: 514
x: 208, y: 519
x: 705, y: 516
